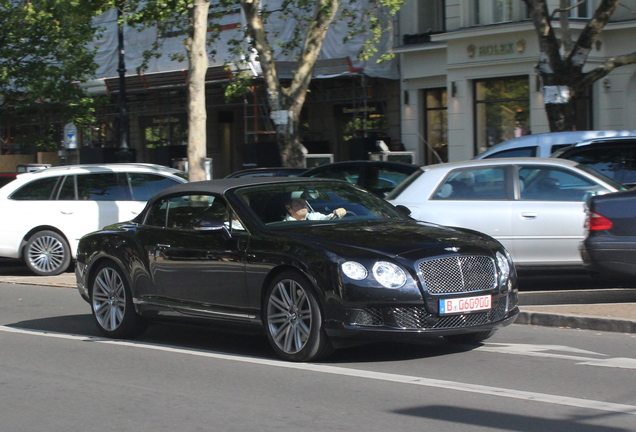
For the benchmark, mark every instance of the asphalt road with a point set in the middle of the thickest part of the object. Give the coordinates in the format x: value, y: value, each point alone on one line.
x: 58, y: 374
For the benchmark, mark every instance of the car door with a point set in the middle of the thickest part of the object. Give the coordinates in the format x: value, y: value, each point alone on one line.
x: 88, y: 202
x: 475, y: 198
x: 195, y: 270
x: 549, y: 215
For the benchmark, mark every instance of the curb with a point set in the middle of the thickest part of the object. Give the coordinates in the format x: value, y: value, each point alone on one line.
x: 576, y: 322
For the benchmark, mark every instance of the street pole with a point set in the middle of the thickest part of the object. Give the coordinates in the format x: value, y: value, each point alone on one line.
x: 124, y: 154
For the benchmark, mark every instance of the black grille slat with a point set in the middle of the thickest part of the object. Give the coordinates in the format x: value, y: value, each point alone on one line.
x: 464, y: 273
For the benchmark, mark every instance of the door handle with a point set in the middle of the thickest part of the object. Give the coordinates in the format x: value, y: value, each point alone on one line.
x: 528, y: 216
x: 67, y: 212
x: 163, y: 246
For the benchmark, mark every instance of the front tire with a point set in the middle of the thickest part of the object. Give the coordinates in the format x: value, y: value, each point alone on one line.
x: 293, y: 319
x: 112, y: 305
x: 47, y: 253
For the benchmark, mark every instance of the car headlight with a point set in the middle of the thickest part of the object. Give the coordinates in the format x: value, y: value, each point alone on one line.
x: 389, y: 275
x: 354, y: 270
x: 503, y: 264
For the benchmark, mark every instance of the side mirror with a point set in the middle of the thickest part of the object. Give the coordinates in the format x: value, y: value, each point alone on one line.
x: 403, y: 209
x: 212, y: 225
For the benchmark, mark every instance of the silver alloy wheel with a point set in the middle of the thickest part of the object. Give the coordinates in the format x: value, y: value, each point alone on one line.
x: 46, y: 254
x: 289, y: 316
x: 109, y: 299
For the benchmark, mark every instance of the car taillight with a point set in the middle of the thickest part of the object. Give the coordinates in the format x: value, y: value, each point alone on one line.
x: 597, y: 222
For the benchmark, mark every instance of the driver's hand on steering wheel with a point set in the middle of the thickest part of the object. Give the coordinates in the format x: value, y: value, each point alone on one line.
x: 339, y: 212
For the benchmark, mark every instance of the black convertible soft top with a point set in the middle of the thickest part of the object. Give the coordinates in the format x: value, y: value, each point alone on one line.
x: 221, y: 185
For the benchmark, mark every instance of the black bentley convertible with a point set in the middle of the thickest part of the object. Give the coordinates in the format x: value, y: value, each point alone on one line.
x: 315, y: 263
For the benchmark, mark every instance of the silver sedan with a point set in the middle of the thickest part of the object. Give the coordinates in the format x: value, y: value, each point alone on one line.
x: 534, y: 206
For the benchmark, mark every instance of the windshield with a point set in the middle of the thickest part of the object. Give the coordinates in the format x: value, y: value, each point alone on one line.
x: 603, y: 177
x: 310, y: 203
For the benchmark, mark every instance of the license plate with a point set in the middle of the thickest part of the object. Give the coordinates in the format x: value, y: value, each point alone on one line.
x: 465, y: 304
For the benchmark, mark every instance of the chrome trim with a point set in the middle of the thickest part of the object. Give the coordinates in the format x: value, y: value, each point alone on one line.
x: 195, y: 311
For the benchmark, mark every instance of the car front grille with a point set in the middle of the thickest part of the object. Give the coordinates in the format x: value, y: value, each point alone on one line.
x: 417, y: 317
x: 463, y: 273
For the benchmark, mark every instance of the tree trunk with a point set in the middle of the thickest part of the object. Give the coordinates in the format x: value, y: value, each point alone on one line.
x: 197, y: 115
x: 286, y: 102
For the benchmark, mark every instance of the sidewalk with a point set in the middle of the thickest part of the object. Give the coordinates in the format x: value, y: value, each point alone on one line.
x: 608, y: 309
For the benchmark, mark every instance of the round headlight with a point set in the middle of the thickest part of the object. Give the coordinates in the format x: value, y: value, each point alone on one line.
x: 389, y: 275
x: 354, y: 270
x: 504, y: 267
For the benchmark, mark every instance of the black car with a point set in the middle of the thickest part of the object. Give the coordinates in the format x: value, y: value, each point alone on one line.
x: 315, y: 263
x: 379, y: 177
x: 610, y: 245
x: 614, y: 157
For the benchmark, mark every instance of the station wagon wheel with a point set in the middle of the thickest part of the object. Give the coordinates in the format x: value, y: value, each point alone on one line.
x: 293, y: 319
x: 112, y: 305
x: 47, y: 253
x: 470, y: 338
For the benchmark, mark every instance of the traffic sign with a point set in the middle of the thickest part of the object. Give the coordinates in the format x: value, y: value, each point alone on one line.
x: 70, y: 136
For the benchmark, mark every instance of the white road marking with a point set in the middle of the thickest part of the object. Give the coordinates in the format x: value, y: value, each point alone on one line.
x: 335, y: 370
x: 547, y: 351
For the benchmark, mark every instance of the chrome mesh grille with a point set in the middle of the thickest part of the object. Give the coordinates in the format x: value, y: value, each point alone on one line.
x: 417, y: 317
x: 464, y: 273
x: 371, y: 317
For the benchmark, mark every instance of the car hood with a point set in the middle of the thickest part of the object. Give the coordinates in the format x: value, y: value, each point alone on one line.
x: 406, y: 239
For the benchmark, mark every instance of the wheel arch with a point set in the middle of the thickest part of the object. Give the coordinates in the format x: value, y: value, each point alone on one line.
x: 37, y: 229
x: 276, y: 271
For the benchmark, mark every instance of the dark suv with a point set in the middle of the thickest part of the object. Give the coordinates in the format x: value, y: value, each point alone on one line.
x: 615, y: 157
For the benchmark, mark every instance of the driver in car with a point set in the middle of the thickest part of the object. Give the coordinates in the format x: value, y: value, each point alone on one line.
x: 297, y: 209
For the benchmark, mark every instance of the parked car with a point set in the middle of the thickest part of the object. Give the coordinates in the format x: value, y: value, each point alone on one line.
x: 222, y: 250
x: 379, y: 177
x: 610, y: 245
x: 6, y: 178
x: 44, y: 213
x: 534, y: 206
x: 615, y: 157
x: 268, y: 172
x: 543, y: 145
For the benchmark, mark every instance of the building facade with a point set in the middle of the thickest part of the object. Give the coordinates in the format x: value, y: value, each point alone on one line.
x: 468, y: 76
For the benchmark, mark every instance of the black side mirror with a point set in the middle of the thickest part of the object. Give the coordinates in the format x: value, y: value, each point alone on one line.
x: 403, y: 209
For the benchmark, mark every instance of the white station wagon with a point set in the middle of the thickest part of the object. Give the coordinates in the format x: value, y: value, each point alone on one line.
x: 43, y: 214
x: 534, y: 206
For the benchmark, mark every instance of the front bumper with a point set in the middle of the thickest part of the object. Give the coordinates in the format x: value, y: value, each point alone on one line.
x: 415, y: 322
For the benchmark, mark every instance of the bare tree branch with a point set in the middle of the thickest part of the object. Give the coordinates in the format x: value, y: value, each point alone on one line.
x: 608, y: 66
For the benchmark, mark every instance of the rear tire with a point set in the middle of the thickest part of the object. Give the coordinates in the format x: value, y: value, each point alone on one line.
x: 470, y: 338
x: 112, y: 304
x: 47, y: 253
x: 293, y: 319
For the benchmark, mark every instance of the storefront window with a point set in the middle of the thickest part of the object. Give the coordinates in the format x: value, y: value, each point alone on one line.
x: 436, y: 125
x: 164, y: 130
x: 502, y: 110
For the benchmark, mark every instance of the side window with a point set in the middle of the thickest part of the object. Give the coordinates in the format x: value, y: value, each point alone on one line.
x: 67, y: 191
x: 473, y: 184
x: 103, y: 187
x: 41, y: 189
x: 144, y: 186
x: 539, y: 183
x: 157, y: 214
x: 184, y: 211
x: 518, y: 152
